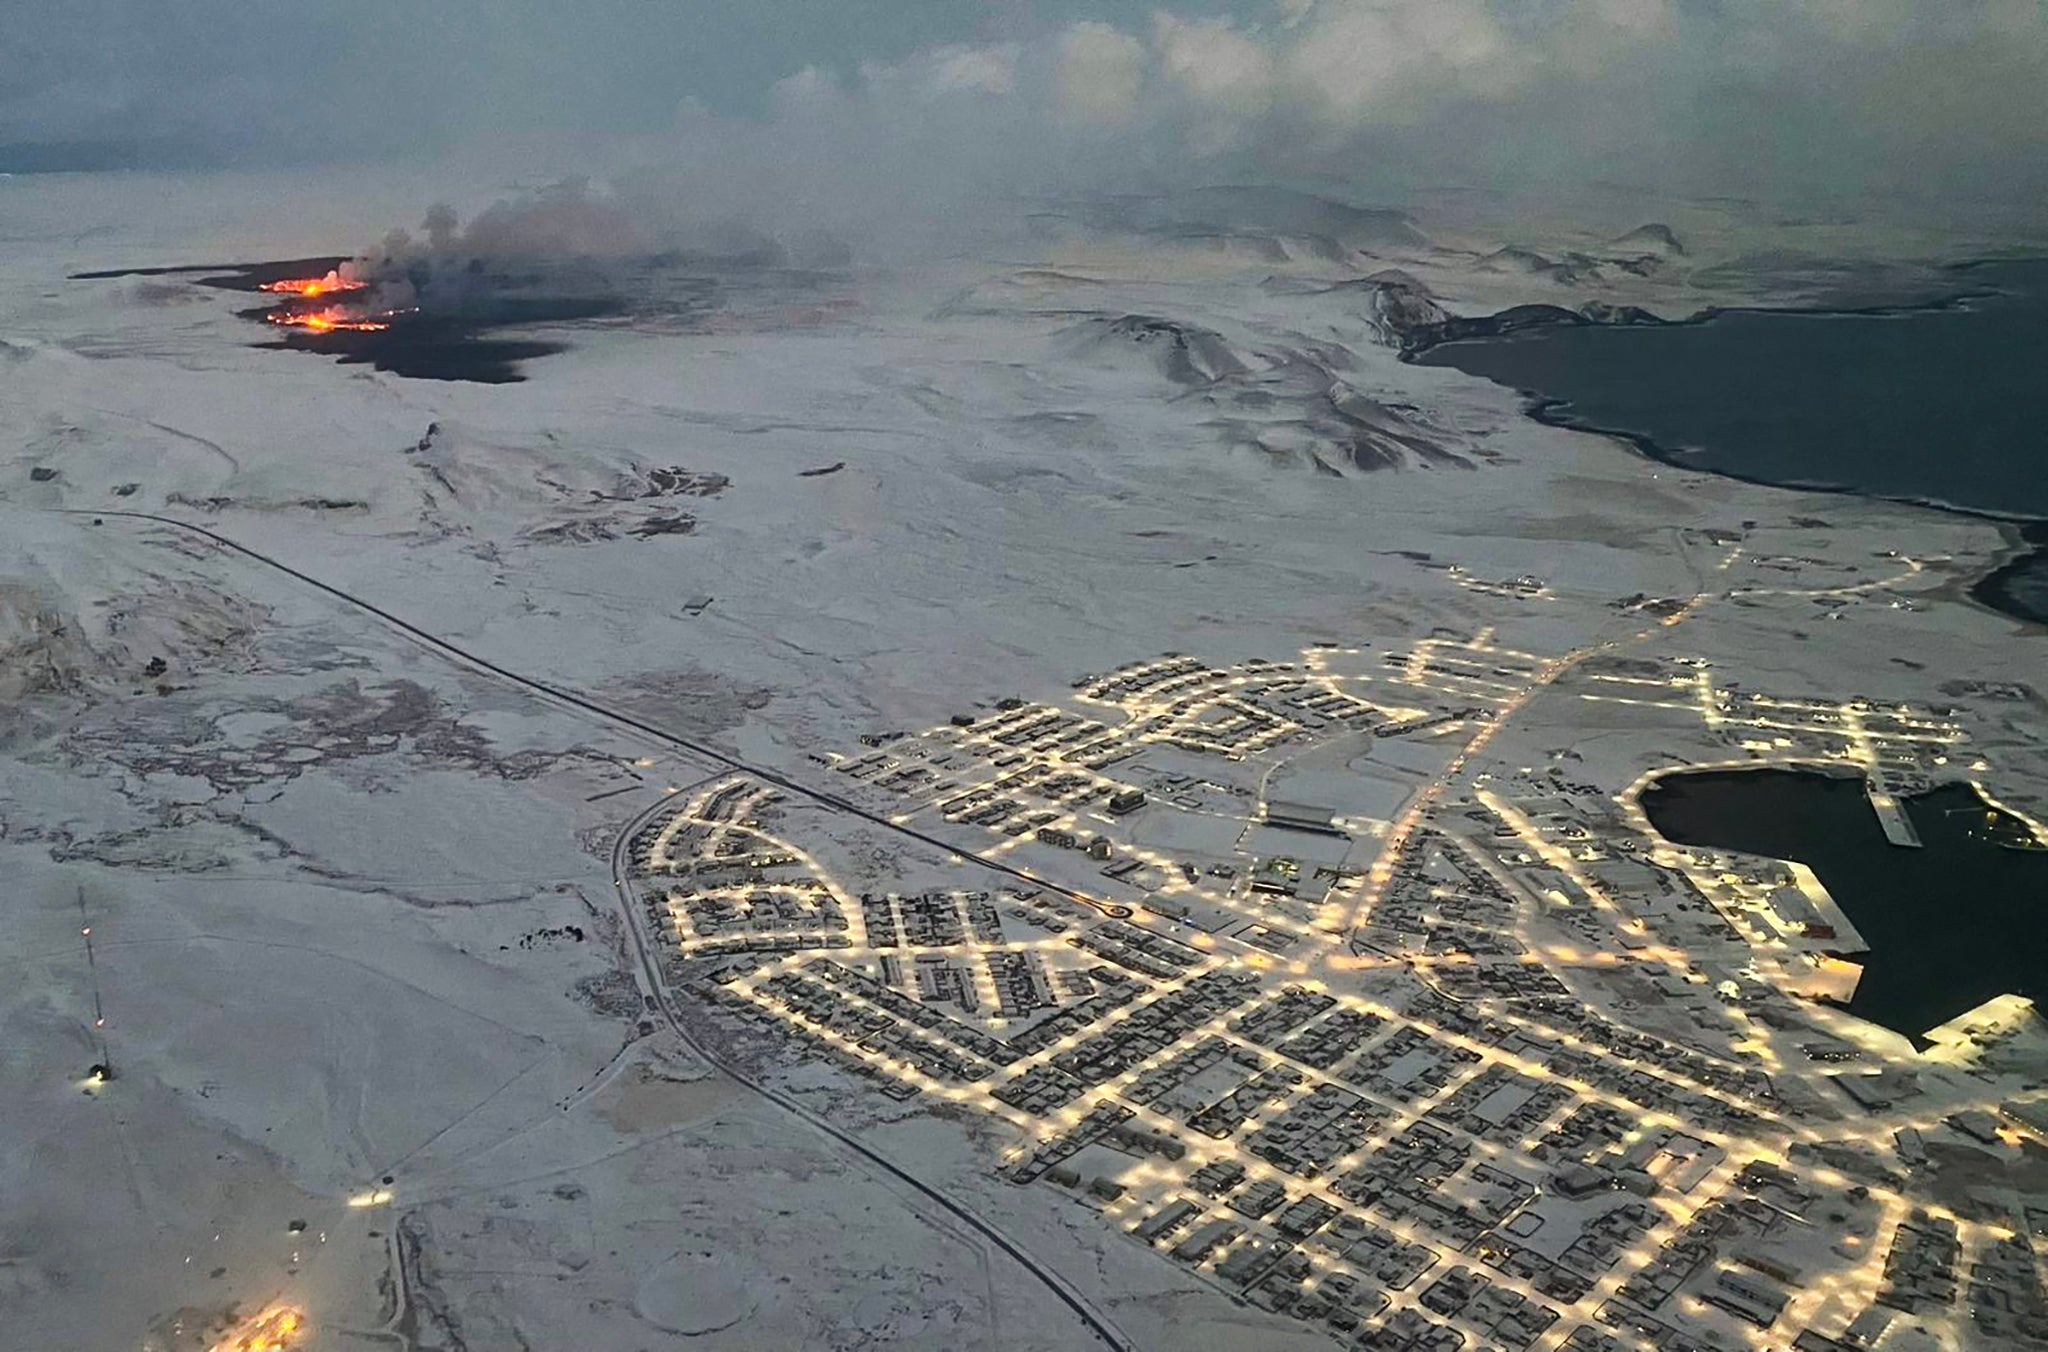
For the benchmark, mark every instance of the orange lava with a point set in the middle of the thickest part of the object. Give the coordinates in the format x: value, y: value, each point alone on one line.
x: 330, y: 319
x: 276, y: 1329
x: 313, y: 286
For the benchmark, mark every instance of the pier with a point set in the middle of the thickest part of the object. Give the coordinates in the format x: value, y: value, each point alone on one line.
x: 1898, y: 827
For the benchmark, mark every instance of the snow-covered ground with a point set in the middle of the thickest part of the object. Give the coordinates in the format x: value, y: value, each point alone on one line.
x: 350, y: 900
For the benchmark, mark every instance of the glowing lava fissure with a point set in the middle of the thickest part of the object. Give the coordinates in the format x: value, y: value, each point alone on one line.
x: 333, y: 318
x: 426, y: 317
x: 313, y: 286
x: 329, y: 318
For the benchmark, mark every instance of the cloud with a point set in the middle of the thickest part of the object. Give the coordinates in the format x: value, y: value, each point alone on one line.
x: 1799, y: 99
x: 946, y: 70
x: 1215, y: 62
x: 1098, y: 75
x: 1794, y: 99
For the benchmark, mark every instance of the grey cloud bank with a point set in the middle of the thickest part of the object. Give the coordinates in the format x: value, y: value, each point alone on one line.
x: 1822, y: 102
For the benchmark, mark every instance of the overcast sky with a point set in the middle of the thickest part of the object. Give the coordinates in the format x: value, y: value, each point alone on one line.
x: 1772, y: 97
x: 142, y: 82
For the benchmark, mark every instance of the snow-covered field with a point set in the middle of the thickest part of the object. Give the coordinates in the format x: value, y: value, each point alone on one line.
x: 350, y: 900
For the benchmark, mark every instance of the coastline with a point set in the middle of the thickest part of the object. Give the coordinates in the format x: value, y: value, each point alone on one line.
x: 2028, y: 541
x: 1712, y: 809
x: 2026, y: 535
x: 1472, y: 328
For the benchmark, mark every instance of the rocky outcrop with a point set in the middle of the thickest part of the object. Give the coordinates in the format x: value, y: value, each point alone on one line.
x: 1421, y: 338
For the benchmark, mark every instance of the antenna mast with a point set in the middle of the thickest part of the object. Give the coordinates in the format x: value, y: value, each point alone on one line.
x: 99, y: 1013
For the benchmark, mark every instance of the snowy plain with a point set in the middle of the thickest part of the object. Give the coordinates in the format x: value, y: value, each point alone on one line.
x: 330, y: 873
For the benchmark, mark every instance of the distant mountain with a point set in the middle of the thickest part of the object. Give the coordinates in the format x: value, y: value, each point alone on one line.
x: 1641, y: 252
x: 1395, y: 302
x: 1569, y: 270
x: 1283, y: 211
x: 1275, y: 224
x: 1516, y: 259
x: 1515, y: 317
x: 1293, y: 404
x: 1655, y: 238
x: 1184, y: 353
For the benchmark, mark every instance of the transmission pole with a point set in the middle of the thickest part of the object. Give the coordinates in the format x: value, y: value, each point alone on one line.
x: 105, y: 1069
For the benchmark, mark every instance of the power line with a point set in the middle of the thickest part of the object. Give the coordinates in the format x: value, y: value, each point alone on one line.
x: 99, y: 1011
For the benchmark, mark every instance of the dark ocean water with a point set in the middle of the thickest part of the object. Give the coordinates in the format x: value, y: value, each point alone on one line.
x: 1949, y: 925
x: 1937, y: 405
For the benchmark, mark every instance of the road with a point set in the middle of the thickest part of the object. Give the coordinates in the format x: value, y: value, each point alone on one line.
x: 675, y: 741
x: 629, y: 898
x: 1096, y: 1321
x: 1420, y: 806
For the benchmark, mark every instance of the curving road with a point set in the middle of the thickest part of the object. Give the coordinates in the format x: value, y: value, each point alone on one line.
x: 622, y: 878
x: 1097, y: 1322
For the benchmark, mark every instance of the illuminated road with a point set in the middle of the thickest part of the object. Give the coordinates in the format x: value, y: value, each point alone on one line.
x: 1403, y: 826
x: 1098, y: 1322
x: 630, y: 902
x: 1595, y: 1073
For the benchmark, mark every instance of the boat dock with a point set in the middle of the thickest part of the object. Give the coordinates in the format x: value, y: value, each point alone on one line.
x: 1891, y: 815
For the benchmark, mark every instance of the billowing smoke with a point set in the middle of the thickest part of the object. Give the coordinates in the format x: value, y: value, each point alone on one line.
x: 572, y: 250
x: 472, y: 301
x: 563, y: 242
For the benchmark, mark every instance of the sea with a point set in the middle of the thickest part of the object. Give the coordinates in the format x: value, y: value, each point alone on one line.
x: 1949, y: 925
x: 1939, y: 404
